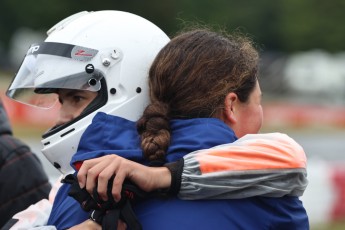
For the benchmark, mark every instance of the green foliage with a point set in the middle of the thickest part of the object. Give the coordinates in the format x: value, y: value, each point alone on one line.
x: 284, y: 25
x: 339, y: 225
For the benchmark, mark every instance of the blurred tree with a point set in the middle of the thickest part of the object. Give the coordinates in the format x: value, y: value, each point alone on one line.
x: 285, y: 25
x: 311, y: 24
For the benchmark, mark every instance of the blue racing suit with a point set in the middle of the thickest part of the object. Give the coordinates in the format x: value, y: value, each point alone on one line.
x: 113, y: 135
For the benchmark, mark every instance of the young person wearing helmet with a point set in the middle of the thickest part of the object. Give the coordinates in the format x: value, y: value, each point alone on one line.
x: 92, y: 62
x: 117, y: 62
x: 106, y: 52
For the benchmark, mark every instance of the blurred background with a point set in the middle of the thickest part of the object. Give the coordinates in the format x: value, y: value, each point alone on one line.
x: 302, y: 73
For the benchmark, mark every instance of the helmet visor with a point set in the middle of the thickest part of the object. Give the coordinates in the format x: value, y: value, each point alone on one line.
x: 49, y: 66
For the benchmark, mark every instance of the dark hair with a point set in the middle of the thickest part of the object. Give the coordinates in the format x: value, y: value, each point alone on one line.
x: 190, y: 78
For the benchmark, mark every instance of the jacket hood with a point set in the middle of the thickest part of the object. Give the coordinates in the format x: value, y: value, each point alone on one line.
x: 5, y: 127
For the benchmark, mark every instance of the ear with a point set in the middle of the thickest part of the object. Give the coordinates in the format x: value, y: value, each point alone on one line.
x: 229, y: 113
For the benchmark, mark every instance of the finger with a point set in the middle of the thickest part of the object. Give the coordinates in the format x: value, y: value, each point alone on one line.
x: 82, y: 173
x: 121, y: 225
x: 92, y: 175
x: 118, y: 182
x: 103, y: 180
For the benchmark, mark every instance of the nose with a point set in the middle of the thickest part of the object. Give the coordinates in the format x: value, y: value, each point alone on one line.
x: 65, y: 115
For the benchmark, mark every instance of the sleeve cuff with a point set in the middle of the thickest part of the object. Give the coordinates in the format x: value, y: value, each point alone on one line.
x: 176, y: 169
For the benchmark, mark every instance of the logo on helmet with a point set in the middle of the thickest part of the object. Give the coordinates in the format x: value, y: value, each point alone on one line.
x: 82, y: 53
x: 33, y: 49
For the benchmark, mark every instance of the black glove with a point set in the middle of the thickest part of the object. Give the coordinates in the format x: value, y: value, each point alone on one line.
x: 86, y: 201
x: 107, y: 213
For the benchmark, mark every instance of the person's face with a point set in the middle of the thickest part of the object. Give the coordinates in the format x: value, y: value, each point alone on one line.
x: 73, y: 102
x: 249, y: 115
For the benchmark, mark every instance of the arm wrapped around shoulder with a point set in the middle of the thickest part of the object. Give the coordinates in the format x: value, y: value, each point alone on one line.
x: 271, y: 165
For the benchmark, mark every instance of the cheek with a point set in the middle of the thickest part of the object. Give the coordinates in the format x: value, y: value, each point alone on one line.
x: 78, y: 110
x: 259, y: 118
x: 70, y: 111
x: 249, y: 120
x: 254, y: 121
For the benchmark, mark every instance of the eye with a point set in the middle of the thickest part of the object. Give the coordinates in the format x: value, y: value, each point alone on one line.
x: 77, y: 98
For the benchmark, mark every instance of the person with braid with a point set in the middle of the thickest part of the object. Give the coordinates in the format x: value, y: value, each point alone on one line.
x: 205, y: 99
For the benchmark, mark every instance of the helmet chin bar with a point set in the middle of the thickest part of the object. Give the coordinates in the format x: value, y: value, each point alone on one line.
x: 59, y: 149
x: 68, y: 128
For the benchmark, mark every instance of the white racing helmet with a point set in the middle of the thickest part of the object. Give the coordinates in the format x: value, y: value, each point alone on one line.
x: 109, y: 52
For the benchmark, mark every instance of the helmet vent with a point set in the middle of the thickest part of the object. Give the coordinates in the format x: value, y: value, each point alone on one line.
x: 112, y: 90
x: 57, y: 165
x: 69, y: 131
x: 46, y: 143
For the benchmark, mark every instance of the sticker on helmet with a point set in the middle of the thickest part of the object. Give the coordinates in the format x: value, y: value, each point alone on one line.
x: 82, y: 53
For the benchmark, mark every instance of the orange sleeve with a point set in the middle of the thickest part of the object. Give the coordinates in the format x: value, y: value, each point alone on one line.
x: 253, y: 152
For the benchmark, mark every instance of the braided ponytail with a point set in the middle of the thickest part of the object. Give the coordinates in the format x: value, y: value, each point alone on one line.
x: 154, y: 129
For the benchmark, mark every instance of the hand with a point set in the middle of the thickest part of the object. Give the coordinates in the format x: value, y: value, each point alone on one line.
x: 92, y: 225
x: 100, y: 170
x: 88, y: 224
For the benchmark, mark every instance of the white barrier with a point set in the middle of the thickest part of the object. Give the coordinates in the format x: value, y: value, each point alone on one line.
x: 324, y: 198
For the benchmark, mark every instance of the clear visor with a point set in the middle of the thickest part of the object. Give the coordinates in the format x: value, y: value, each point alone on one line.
x: 51, y: 66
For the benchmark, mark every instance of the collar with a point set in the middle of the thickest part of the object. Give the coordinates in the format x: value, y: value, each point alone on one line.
x: 108, y: 134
